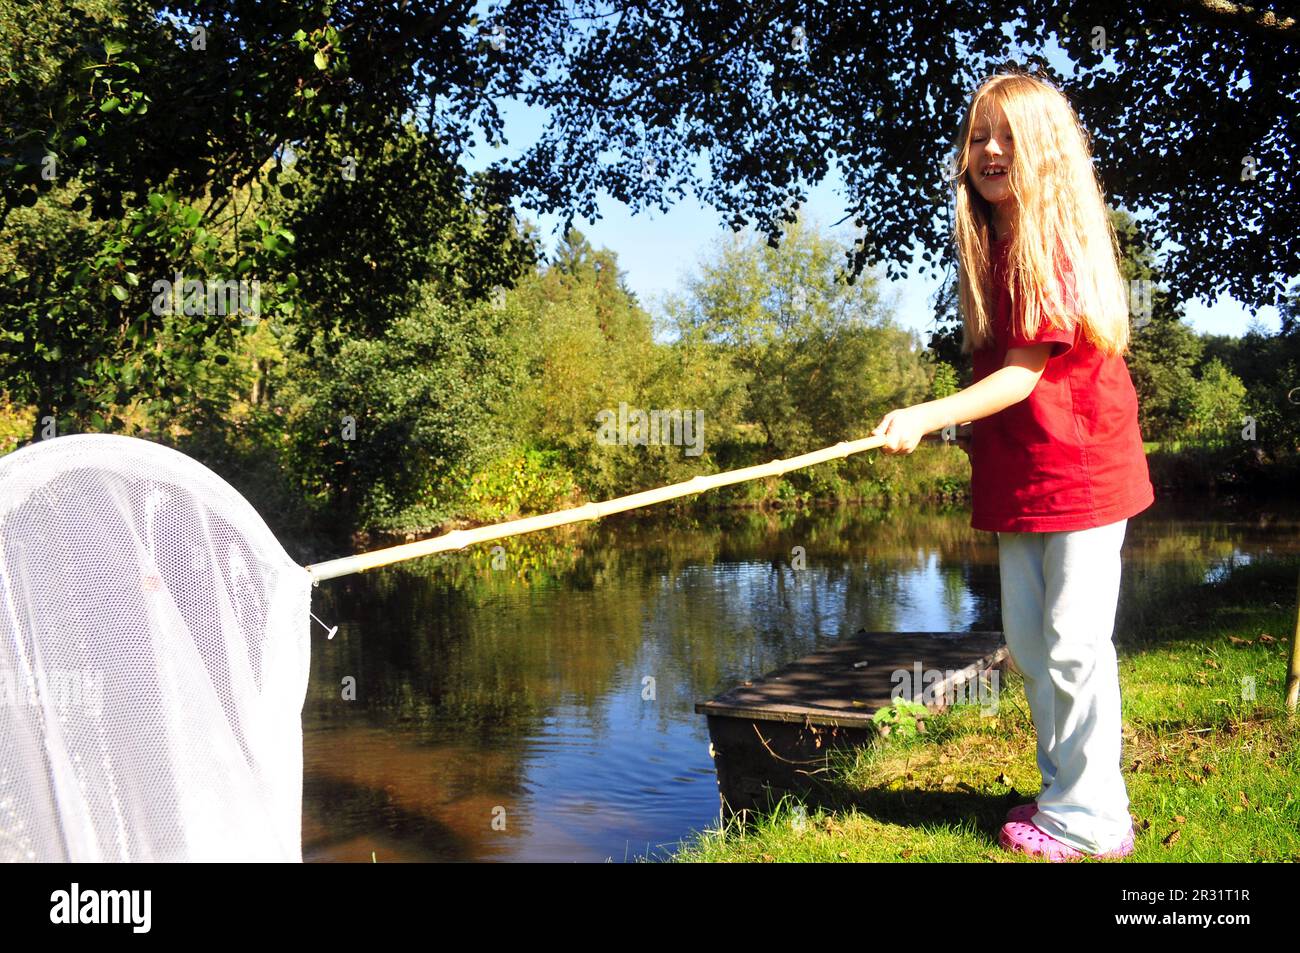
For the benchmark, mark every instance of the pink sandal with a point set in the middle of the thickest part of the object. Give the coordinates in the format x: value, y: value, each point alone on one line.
x: 1028, y: 838
x: 1023, y: 812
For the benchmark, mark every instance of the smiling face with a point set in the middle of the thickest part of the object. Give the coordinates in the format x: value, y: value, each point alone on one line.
x: 989, y: 160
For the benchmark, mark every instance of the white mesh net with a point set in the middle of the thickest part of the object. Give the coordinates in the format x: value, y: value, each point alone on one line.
x: 154, y: 644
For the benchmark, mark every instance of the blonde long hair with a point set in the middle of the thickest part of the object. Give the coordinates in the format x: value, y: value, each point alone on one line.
x: 1062, y: 228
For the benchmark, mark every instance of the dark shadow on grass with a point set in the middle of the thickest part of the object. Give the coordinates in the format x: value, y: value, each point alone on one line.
x: 906, y: 807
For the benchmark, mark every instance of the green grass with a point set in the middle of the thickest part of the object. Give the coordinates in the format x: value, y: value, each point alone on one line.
x: 1212, y: 774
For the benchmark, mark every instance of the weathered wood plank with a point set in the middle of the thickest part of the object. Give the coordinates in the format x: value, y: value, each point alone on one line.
x: 849, y: 682
x: 772, y: 736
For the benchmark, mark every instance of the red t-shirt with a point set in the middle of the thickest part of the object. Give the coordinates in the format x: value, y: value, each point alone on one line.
x: 1069, y: 456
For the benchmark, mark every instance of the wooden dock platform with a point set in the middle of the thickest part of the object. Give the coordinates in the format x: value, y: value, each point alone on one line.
x: 771, y: 736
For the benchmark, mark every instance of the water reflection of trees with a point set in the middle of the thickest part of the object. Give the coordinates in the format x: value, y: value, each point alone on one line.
x: 464, y: 663
x: 499, y: 637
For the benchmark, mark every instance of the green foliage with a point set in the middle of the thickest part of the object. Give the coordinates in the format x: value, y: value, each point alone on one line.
x: 944, y: 382
x: 1216, y: 402
x: 1268, y: 365
x: 380, y: 214
x: 103, y: 196
x: 15, y: 426
x: 1200, y: 388
x: 519, y: 482
x: 585, y: 346
x: 819, y: 359
x: 1163, y: 356
x: 903, y: 719
x: 377, y: 429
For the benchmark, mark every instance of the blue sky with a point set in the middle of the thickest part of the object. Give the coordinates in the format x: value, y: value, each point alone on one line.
x: 656, y: 250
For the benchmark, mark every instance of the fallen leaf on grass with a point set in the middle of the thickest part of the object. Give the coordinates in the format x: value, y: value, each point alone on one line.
x: 1179, y: 819
x: 1267, y: 638
x: 1172, y: 838
x: 905, y: 854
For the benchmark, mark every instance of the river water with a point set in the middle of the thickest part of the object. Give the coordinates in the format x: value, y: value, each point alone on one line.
x: 535, y: 702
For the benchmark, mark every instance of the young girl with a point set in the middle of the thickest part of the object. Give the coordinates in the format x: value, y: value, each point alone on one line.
x: 1057, y: 465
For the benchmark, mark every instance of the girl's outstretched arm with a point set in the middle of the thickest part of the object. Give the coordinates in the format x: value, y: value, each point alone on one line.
x: 1008, y: 385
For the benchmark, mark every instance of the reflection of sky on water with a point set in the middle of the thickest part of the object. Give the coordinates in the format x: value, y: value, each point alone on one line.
x: 916, y: 595
x: 1221, y: 567
x: 616, y: 789
x: 925, y: 602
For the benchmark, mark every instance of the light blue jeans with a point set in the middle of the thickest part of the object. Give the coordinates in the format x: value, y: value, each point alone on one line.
x: 1059, y: 593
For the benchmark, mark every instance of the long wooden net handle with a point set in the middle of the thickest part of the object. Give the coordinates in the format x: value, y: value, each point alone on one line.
x: 459, y: 539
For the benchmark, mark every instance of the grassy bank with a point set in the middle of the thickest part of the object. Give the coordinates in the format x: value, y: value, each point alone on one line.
x: 1212, y: 774
x: 1222, y: 467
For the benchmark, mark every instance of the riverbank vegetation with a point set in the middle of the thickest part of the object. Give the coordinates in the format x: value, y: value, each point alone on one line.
x: 464, y: 413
